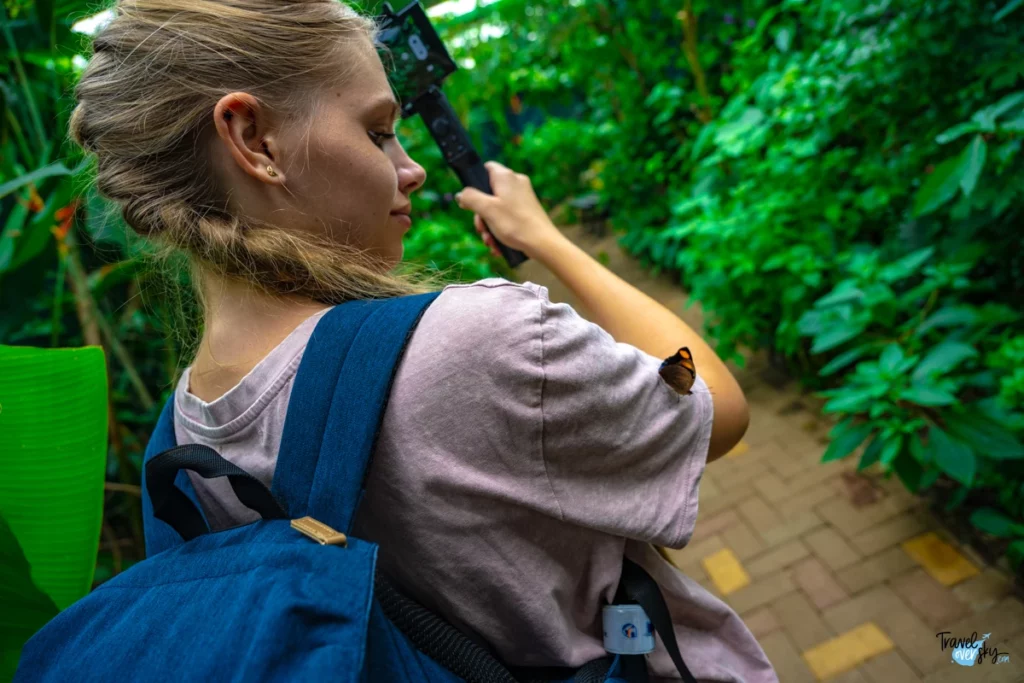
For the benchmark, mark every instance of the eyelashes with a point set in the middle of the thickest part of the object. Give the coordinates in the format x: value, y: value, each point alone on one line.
x: 380, y: 138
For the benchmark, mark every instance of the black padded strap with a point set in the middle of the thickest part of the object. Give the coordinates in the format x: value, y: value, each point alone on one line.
x: 439, y: 640
x: 171, y: 505
x: 637, y: 586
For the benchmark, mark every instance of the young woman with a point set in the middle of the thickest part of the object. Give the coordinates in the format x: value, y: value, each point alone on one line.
x: 524, y: 450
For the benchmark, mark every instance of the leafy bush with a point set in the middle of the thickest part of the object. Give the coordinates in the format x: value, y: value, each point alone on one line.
x: 838, y: 182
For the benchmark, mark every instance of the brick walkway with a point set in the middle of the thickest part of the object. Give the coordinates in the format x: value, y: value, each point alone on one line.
x: 841, y: 577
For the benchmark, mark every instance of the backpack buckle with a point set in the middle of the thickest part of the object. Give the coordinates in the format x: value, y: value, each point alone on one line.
x: 319, y: 532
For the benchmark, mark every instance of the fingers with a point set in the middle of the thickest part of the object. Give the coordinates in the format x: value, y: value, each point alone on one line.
x: 481, y: 228
x: 474, y: 200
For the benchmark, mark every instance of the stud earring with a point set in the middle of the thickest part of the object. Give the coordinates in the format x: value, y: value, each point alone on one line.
x: 271, y: 172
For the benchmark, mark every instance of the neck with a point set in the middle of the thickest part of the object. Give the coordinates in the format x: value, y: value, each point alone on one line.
x: 242, y: 325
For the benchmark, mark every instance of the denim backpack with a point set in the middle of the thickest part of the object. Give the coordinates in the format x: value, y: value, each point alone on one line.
x: 291, y: 597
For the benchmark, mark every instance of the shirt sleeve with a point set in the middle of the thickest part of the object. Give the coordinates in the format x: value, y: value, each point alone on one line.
x: 624, y: 453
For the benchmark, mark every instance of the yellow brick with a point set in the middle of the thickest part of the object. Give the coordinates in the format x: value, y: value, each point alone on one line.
x: 738, y: 449
x: 726, y: 571
x: 847, y: 651
x: 942, y: 561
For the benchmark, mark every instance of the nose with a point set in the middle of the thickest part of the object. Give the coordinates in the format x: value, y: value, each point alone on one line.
x: 411, y: 175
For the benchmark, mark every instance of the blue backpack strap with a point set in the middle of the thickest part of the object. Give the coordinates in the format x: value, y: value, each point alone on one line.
x: 337, y: 402
x: 159, y: 535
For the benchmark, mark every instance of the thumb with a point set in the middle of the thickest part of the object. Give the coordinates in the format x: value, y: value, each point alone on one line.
x: 473, y: 199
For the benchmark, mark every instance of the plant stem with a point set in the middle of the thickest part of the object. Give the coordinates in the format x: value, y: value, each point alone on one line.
x: 58, y: 297
x: 93, y: 322
x: 689, y: 20
x: 26, y: 87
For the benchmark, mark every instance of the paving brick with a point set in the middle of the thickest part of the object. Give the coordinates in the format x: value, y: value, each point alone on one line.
x: 865, y: 607
x: 759, y: 514
x: 982, y: 591
x: 814, y: 475
x: 761, y: 592
x: 831, y: 549
x: 789, y: 665
x: 1004, y: 620
x: 914, y: 639
x: 739, y: 472
x: 851, y: 520
x: 890, y: 533
x: 762, y: 622
x: 852, y: 676
x: 777, y: 558
x: 792, y: 528
x: 788, y: 467
x: 729, y: 498
x: 874, y: 570
x: 933, y: 602
x: 819, y: 584
x: 744, y: 542
x: 708, y: 488
x: 889, y: 667
x: 801, y: 620
x: 714, y: 524
x: 726, y: 571
x: 694, y: 552
x: 847, y: 651
x: 771, y: 487
x: 940, y: 559
x: 792, y: 506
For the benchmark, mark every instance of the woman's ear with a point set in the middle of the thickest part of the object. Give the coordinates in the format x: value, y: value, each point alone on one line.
x: 245, y: 129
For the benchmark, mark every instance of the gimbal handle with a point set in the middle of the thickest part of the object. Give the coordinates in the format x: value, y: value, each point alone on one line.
x: 457, y: 148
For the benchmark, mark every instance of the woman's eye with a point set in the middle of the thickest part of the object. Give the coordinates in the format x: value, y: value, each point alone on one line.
x: 380, y: 138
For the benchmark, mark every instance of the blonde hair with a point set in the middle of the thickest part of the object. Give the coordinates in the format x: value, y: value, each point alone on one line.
x: 145, y: 101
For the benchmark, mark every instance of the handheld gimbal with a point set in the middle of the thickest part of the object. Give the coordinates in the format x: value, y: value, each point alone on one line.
x: 420, y: 64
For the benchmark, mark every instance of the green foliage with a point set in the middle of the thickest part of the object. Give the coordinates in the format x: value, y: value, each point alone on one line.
x: 26, y: 608
x: 846, y: 193
x: 838, y: 182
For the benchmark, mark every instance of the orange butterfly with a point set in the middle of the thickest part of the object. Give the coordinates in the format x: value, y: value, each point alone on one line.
x: 679, y: 372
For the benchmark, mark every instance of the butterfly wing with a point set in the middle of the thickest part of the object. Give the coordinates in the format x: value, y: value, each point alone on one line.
x: 679, y: 371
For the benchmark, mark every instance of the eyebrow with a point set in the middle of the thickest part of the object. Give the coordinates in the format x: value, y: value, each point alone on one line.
x: 388, y: 102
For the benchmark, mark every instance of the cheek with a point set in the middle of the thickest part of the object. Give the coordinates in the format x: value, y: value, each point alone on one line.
x: 357, y: 184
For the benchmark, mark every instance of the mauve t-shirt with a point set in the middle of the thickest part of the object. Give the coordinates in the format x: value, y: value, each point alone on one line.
x: 523, y: 453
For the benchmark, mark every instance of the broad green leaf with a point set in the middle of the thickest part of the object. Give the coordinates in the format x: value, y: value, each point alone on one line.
x: 948, y: 317
x: 892, y: 448
x: 927, y: 395
x: 906, y: 266
x: 910, y: 472
x: 951, y: 456
x: 973, y: 161
x: 842, y: 360
x: 55, y: 417
x: 956, y: 131
x: 891, y: 357
x: 26, y: 609
x: 989, y: 438
x: 13, y: 233
x: 33, y: 177
x: 847, y: 437
x: 1015, y: 553
x: 838, y: 333
x: 840, y: 295
x: 850, y: 400
x: 943, y: 358
x: 870, y: 455
x: 1007, y: 8
x: 939, y: 187
x: 994, y: 522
